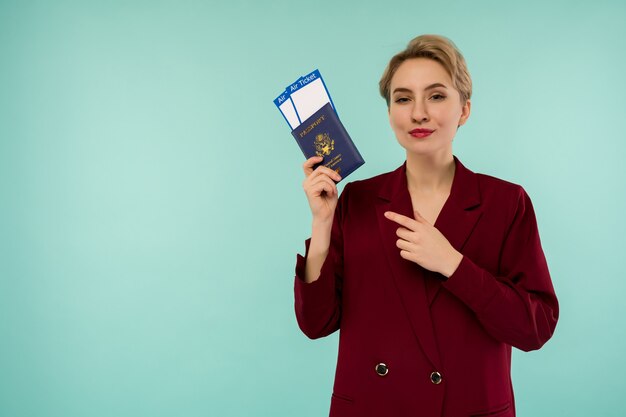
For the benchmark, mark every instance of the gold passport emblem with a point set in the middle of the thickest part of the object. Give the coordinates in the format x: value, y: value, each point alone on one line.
x: 324, y: 145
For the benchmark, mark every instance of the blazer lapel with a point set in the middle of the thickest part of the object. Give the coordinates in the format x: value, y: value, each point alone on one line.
x: 458, y: 217
x: 408, y: 277
x: 417, y: 287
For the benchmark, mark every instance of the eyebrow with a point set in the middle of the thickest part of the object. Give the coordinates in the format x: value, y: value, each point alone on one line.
x: 407, y: 90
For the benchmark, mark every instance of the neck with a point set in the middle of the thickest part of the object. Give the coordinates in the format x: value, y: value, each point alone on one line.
x: 430, y: 173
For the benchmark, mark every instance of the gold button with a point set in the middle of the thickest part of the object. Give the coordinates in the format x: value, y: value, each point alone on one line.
x: 436, y: 378
x: 381, y: 369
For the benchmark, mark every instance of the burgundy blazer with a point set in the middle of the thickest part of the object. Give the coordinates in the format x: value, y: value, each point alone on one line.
x: 412, y: 343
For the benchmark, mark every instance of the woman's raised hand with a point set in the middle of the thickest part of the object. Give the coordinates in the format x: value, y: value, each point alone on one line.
x: 422, y: 243
x: 320, y: 189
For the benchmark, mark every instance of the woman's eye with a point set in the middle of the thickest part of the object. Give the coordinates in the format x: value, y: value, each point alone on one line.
x: 401, y: 100
x: 438, y: 97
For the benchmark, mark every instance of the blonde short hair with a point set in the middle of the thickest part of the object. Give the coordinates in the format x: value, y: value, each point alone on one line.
x: 437, y: 48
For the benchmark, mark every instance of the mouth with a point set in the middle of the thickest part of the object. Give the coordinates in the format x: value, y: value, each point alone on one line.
x: 421, y: 133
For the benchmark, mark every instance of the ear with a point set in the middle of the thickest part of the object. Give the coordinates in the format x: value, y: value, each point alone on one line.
x: 465, y: 112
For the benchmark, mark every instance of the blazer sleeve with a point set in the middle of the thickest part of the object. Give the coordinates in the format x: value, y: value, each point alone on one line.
x: 519, y: 305
x: 318, y: 304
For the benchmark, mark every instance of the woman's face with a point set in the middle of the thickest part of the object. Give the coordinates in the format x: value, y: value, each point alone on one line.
x: 425, y: 109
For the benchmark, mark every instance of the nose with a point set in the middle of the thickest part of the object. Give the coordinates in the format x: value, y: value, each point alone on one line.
x: 419, y: 113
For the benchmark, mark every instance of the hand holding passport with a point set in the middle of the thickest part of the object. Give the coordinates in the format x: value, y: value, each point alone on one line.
x: 309, y: 111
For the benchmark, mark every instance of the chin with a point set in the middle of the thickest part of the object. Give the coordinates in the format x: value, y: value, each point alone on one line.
x: 419, y: 148
x: 425, y: 149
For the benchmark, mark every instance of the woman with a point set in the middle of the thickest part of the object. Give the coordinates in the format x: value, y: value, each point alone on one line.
x: 431, y: 272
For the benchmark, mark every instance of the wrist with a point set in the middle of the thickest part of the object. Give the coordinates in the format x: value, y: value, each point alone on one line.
x: 320, y: 235
x: 322, y: 224
x: 455, y: 261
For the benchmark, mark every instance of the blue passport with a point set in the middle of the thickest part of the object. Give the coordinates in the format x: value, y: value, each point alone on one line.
x: 323, y: 134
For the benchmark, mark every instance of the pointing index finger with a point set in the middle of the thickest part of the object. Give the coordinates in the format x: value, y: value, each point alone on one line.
x: 400, y: 219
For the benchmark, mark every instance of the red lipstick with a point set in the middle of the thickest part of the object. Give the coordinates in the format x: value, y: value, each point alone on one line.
x: 421, y: 133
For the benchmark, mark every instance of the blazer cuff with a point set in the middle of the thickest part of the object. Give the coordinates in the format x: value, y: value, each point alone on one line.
x: 472, y: 284
x: 301, y: 261
x: 318, y: 289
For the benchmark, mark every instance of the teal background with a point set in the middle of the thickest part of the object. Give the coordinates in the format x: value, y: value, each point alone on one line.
x: 151, y: 203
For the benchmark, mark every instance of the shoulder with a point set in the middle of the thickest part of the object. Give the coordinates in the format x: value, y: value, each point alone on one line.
x: 365, y: 193
x: 490, y: 185
x: 503, y: 196
x: 478, y: 188
x: 373, y: 185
